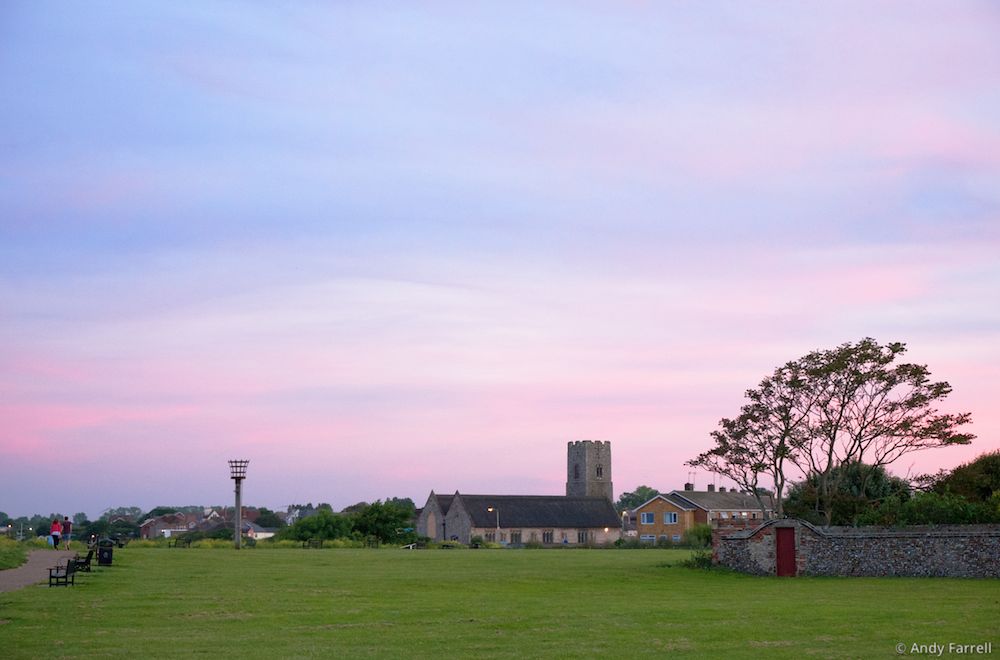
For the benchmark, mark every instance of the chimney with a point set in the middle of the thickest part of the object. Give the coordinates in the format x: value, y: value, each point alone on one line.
x: 711, y: 488
x: 688, y: 486
x: 722, y: 489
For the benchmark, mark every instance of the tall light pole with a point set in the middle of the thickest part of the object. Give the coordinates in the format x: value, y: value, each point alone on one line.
x: 238, y: 472
x: 491, y: 510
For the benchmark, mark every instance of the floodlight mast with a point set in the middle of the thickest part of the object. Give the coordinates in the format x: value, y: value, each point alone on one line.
x: 238, y: 472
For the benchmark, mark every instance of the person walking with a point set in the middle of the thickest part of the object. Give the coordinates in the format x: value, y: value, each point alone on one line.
x: 56, y: 532
x: 67, y: 530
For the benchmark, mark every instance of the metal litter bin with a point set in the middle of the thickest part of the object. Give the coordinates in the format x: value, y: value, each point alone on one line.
x: 105, y: 552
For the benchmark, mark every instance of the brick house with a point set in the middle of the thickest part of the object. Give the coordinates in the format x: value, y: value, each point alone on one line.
x: 551, y: 520
x: 663, y: 518
x: 668, y: 517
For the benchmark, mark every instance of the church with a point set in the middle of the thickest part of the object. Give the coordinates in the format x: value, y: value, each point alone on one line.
x: 585, y: 515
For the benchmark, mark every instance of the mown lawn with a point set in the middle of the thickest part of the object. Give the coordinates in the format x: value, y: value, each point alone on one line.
x: 570, y: 603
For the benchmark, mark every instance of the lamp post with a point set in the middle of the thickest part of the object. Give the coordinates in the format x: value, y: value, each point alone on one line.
x: 238, y: 472
x: 497, y: 509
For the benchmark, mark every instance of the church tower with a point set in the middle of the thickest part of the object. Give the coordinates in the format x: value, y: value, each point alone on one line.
x: 588, y: 469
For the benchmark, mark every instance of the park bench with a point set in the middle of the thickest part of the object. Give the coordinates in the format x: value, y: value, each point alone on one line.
x: 63, y: 576
x: 313, y: 543
x: 83, y: 563
x: 179, y: 543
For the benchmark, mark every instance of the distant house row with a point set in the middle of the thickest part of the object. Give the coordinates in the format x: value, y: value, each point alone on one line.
x: 208, y: 520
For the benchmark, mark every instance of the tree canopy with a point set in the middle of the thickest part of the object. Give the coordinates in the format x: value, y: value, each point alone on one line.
x: 855, y: 403
x: 632, y: 499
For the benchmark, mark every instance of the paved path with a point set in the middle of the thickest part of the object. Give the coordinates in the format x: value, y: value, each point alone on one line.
x: 35, y: 570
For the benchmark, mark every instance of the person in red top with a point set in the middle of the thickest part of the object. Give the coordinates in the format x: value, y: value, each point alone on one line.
x: 56, y: 532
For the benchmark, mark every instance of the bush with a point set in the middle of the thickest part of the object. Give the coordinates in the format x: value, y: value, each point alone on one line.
x: 12, y: 553
x: 702, y: 559
x: 699, y: 536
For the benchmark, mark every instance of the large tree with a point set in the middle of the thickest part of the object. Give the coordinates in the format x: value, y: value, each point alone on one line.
x: 852, y: 404
x: 763, y: 439
x: 631, y: 499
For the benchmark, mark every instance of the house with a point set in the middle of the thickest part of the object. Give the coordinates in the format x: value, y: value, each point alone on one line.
x: 712, y: 505
x: 258, y: 533
x: 663, y: 518
x: 668, y: 517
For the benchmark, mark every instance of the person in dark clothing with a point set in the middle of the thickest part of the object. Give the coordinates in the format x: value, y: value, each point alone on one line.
x: 67, y: 530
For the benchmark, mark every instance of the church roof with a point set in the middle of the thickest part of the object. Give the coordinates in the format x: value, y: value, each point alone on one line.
x: 540, y: 511
x: 444, y: 502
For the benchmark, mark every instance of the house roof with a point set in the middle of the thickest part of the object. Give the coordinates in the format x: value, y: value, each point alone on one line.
x: 540, y: 511
x: 715, y: 501
x: 676, y: 501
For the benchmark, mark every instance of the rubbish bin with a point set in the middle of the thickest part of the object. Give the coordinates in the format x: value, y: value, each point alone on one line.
x: 105, y: 551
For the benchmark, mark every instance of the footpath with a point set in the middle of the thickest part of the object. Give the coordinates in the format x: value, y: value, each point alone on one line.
x: 33, y: 571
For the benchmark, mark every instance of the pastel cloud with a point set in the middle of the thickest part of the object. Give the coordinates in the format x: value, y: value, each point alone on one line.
x: 377, y: 249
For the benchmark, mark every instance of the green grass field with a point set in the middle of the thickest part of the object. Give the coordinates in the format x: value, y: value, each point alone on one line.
x: 571, y: 603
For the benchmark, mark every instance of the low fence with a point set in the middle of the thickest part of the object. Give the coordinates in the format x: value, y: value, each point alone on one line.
x: 919, y: 551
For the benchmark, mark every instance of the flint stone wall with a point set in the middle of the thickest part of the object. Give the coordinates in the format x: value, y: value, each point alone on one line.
x: 919, y: 551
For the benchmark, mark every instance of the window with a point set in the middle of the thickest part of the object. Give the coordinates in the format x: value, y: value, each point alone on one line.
x: 503, y: 537
x: 547, y: 536
x: 648, y: 538
x: 576, y: 470
x: 581, y: 536
x: 724, y: 515
x: 491, y: 537
x: 676, y: 538
x: 647, y: 518
x: 600, y: 471
x: 670, y: 518
x: 515, y: 537
x: 753, y: 515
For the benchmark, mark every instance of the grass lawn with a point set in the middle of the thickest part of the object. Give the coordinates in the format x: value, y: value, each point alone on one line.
x: 348, y: 603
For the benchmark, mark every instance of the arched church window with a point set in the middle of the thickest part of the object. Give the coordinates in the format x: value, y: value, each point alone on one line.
x: 576, y: 470
x: 600, y: 471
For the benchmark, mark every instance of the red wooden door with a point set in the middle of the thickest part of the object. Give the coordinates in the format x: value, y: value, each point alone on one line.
x: 786, y: 551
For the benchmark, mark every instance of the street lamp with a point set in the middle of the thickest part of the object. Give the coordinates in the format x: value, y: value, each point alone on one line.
x: 238, y: 472
x: 497, y: 509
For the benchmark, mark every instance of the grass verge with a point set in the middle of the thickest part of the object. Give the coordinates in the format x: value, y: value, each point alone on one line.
x: 492, y: 603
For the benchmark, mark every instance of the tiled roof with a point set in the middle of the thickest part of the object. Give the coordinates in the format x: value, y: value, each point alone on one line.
x: 444, y: 502
x: 540, y: 511
x: 715, y: 501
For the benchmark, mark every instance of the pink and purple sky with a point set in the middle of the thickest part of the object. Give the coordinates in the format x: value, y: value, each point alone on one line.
x: 384, y: 248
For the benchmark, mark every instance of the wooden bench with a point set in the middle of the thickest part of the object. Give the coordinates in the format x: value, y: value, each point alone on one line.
x: 83, y: 563
x: 179, y: 543
x: 313, y: 543
x: 63, y: 576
